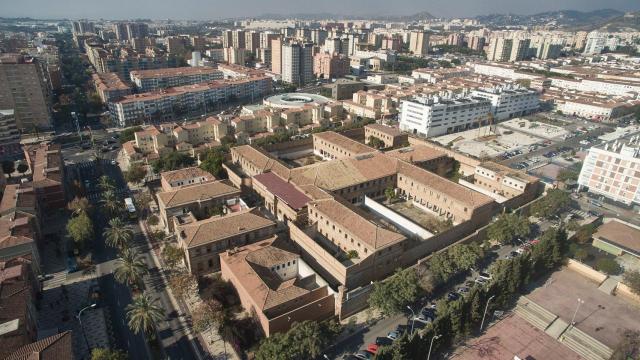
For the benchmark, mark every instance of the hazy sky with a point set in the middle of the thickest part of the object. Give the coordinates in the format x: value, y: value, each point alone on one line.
x: 215, y: 9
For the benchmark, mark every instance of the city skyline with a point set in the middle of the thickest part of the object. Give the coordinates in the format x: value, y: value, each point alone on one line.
x: 202, y: 10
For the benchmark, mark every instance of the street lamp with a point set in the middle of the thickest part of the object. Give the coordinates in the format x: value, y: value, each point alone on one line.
x: 413, y: 319
x: 573, y: 320
x: 435, y: 337
x: 79, y: 317
x: 485, y: 311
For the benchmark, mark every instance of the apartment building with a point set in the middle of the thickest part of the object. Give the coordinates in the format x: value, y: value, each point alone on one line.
x: 506, y: 186
x: 23, y: 88
x: 19, y: 225
x: 608, y: 87
x: 612, y: 170
x: 156, y: 79
x: 390, y: 136
x: 47, y: 168
x: 519, y: 49
x: 252, y: 41
x: 434, y: 116
x: 272, y: 283
x: 327, y: 66
x: 370, y: 104
x: 199, y: 199
x: 175, y: 44
x: 297, y: 63
x: 330, y: 145
x: 595, y: 43
x: 203, y: 241
x: 276, y: 55
x: 419, y: 42
x: 500, y: 49
x: 173, y: 102
x: 9, y: 134
x: 110, y: 87
x: 234, y: 55
x: 437, y: 75
x: 509, y: 101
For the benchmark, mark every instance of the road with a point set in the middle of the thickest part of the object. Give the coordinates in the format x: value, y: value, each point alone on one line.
x: 117, y: 296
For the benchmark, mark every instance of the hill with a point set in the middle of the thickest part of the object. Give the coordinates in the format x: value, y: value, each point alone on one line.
x: 562, y: 18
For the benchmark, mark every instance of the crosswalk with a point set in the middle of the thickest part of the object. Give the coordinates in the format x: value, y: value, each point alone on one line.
x: 58, y: 279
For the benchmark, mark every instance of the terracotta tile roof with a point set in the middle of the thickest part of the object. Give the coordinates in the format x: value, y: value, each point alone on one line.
x: 186, y: 173
x: 620, y: 234
x: 170, y: 72
x: 46, y: 164
x: 357, y: 223
x: 56, y: 347
x: 391, y: 131
x: 343, y: 142
x: 460, y: 193
x: 261, y: 160
x: 199, y: 192
x: 18, y: 197
x: 221, y: 227
x: 283, y: 190
x: 416, y: 153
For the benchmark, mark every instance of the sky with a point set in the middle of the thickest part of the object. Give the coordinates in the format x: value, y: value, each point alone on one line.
x: 217, y: 9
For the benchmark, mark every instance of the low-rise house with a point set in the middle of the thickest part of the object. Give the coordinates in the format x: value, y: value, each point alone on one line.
x: 273, y: 283
x: 19, y: 225
x: 46, y: 164
x: 203, y: 240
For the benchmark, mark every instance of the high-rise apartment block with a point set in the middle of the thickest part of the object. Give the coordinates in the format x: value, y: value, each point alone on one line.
x: 175, y: 45
x: 234, y: 38
x: 595, y: 43
x: 151, y: 80
x: 276, y: 56
x: 234, y: 55
x: 476, y: 43
x: 23, y: 89
x: 519, y: 50
x: 9, y: 134
x: 613, y: 170
x: 419, y: 42
x: 297, y: 63
x: 252, y: 41
x: 328, y: 66
x: 499, y: 49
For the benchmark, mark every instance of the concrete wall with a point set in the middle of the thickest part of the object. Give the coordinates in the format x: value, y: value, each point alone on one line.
x: 626, y: 292
x: 587, y: 271
x: 396, y: 218
x: 323, y: 307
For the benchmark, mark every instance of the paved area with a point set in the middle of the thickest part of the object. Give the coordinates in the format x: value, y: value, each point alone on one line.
x: 513, y: 336
x: 601, y: 316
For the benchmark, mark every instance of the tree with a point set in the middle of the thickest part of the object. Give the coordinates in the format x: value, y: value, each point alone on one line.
x: 305, y: 340
x: 136, y: 173
x: 129, y: 134
x: 172, y: 161
x: 632, y: 280
x: 172, y: 255
x: 182, y: 283
x: 130, y: 268
x: 8, y: 167
x: 208, y: 315
x: 389, y: 193
x: 394, y: 293
x: 144, y: 315
x: 352, y: 254
x: 153, y: 220
x: 212, y: 160
x: 80, y: 229
x: 106, y: 183
x: 142, y: 201
x: 118, y: 235
x: 628, y: 347
x: 554, y: 202
x: 375, y: 142
x: 22, y: 168
x: 108, y: 354
x: 608, y: 266
x: 566, y: 175
x: 79, y: 205
x: 581, y: 255
x: 584, y: 233
x: 110, y: 203
x: 507, y: 227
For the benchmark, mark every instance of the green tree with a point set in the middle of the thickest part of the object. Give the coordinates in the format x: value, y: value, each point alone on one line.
x: 80, y: 229
x: 584, y: 233
x: 182, y: 284
x: 172, y: 255
x: 79, y: 205
x: 135, y: 173
x: 129, y: 134
x: 608, y: 266
x: 106, y: 183
x: 22, y: 168
x: 376, y: 143
x: 209, y: 315
x: 153, y: 220
x: 507, y: 227
x: 144, y: 315
x: 632, y: 280
x: 172, y: 161
x: 212, y: 160
x: 108, y: 354
x: 118, y: 234
x: 110, y: 203
x: 628, y: 347
x: 581, y: 255
x: 394, y: 293
x: 305, y: 340
x: 130, y: 268
x: 566, y: 175
x: 553, y: 203
x: 8, y: 167
x: 389, y: 193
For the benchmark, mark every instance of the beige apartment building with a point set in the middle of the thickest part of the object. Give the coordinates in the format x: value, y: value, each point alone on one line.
x: 110, y: 87
x: 370, y: 104
x: 156, y: 79
x: 419, y: 42
x: 392, y: 137
x: 23, y: 89
x: 203, y: 241
x: 327, y: 66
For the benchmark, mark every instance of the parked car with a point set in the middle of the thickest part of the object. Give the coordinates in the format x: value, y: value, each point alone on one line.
x: 452, y: 296
x: 481, y: 281
x: 364, y: 355
x: 393, y: 335
x: 423, y: 318
x: 382, y: 341
x: 463, y: 290
x: 372, y: 348
x: 484, y: 275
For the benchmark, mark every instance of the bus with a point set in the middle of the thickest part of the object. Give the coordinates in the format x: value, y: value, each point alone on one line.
x: 131, y: 209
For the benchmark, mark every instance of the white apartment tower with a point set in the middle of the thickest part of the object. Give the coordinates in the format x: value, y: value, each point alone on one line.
x: 419, y: 42
x: 297, y: 63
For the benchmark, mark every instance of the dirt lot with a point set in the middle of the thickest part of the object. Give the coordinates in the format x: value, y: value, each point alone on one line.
x: 514, y: 336
x: 602, y: 316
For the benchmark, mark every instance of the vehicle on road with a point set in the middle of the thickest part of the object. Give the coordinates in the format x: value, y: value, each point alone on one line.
x: 481, y: 281
x: 393, y: 335
x: 372, y: 348
x: 131, y: 208
x: 452, y: 296
x: 382, y: 341
x: 484, y: 275
x: 463, y: 290
x: 364, y: 355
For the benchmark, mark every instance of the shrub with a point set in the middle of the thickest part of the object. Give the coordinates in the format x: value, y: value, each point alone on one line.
x: 608, y: 266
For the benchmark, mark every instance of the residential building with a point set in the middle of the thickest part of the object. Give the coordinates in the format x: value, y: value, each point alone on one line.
x: 273, y: 283
x: 234, y: 55
x: 329, y: 66
x: 47, y: 168
x: 137, y: 30
x: 519, y: 49
x: 419, y: 42
x: 297, y: 63
x: 152, y: 80
x: 197, y: 42
x: 509, y: 101
x: 9, y: 134
x: 54, y: 347
x: 612, y: 170
x: 434, y: 116
x: 370, y: 104
x: 199, y: 199
x: 110, y: 87
x: 276, y: 55
x: 476, y: 43
x: 506, y: 186
x: 23, y: 89
x: 123, y: 61
x: 175, y: 44
x: 252, y: 41
x: 172, y: 180
x: 595, y: 43
x: 19, y: 225
x: 203, y: 241
x: 390, y: 136
x: 500, y: 49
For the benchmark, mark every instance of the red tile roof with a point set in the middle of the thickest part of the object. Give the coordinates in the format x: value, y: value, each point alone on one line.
x: 295, y: 198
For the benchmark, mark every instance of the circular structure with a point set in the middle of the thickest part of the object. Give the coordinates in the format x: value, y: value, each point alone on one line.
x: 295, y: 100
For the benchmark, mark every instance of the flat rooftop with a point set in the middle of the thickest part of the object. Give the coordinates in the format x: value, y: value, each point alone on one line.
x: 620, y: 234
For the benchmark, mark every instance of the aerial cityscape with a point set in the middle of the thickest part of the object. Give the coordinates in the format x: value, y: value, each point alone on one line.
x: 292, y: 180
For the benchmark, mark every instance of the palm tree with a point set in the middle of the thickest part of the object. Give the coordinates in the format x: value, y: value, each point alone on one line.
x: 106, y: 183
x: 79, y: 205
x: 144, y: 315
x: 131, y: 268
x: 118, y: 235
x: 110, y: 202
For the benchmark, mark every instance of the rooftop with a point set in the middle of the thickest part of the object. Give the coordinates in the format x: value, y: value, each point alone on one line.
x: 620, y: 234
x: 56, y: 347
x: 392, y: 131
x: 199, y: 192
x: 344, y: 142
x: 283, y: 190
x: 169, y: 72
x: 416, y: 153
x: 186, y: 173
